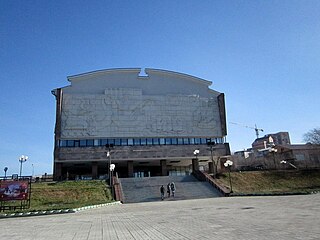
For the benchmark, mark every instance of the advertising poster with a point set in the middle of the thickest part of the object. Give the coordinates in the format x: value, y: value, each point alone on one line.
x: 13, y: 190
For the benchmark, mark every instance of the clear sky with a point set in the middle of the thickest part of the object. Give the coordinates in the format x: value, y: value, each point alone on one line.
x: 264, y: 55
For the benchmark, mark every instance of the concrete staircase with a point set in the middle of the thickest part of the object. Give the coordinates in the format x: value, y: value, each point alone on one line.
x: 148, y: 189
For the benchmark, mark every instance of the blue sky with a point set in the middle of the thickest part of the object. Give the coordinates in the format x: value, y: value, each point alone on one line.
x: 264, y: 55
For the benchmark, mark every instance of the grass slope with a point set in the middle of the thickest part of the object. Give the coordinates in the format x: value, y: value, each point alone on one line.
x: 273, y: 181
x: 70, y: 194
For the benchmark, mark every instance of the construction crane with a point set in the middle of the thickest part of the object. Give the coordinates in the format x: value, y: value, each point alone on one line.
x: 257, y: 130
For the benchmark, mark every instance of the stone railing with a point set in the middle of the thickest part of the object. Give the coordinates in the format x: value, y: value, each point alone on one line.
x: 205, y: 177
x: 118, y: 196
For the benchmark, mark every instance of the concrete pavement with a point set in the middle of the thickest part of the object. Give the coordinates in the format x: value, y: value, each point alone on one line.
x: 281, y: 217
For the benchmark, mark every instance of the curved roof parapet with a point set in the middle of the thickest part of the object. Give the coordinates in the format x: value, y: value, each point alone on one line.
x: 151, y: 71
x: 136, y: 71
x: 104, y: 71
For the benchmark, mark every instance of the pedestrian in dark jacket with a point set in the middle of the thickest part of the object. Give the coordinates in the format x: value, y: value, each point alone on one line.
x: 168, y: 189
x: 162, y: 192
x: 173, y: 188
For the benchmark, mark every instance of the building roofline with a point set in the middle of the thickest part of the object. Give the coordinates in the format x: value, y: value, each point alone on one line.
x: 299, y: 146
x: 177, y: 74
x: 103, y: 71
x: 148, y: 71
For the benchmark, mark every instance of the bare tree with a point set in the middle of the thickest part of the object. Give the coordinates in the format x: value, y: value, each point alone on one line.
x: 313, y: 136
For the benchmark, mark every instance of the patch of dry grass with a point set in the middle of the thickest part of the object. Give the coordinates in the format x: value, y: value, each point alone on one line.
x: 71, y: 194
x: 273, y: 181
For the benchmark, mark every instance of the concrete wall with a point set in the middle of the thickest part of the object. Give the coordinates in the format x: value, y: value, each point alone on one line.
x: 119, y: 103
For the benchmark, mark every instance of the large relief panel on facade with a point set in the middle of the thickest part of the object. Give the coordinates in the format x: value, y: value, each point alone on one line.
x: 128, y: 113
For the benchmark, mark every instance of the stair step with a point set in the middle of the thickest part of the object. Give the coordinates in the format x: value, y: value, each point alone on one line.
x: 148, y: 188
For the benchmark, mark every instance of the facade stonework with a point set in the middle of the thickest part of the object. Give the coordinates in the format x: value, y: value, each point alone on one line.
x: 153, y: 121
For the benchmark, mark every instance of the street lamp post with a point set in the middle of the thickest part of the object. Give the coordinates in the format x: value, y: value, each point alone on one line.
x: 32, y: 170
x: 108, y: 147
x: 5, y: 172
x: 211, y: 144
x: 196, y: 153
x: 112, y: 167
x: 195, y: 162
x: 273, y: 151
x: 228, y: 165
x: 22, y: 159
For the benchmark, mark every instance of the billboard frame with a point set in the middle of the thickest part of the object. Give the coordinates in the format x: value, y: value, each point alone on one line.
x: 16, y: 201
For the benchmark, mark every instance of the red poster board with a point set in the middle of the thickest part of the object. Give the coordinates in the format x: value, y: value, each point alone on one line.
x: 13, y: 190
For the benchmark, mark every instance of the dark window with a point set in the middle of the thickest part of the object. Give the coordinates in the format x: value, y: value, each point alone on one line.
x: 155, y: 141
x: 83, y: 143
x: 124, y: 142
x: 180, y: 141
x: 203, y: 141
x: 136, y: 141
x: 111, y: 141
x: 90, y: 143
x: 186, y: 141
x: 117, y: 142
x: 162, y: 141
x: 168, y: 141
x: 174, y: 141
x: 143, y: 141
x: 191, y: 140
x: 197, y: 141
x: 70, y: 143
x: 103, y: 142
x: 149, y: 141
x: 63, y: 143
x: 77, y: 143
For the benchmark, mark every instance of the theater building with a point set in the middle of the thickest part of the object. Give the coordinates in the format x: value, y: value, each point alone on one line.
x: 153, y: 122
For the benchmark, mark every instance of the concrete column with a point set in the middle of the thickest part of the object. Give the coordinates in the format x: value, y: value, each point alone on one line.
x: 94, y: 170
x: 58, y: 171
x: 195, y: 164
x: 163, y: 164
x: 130, y: 168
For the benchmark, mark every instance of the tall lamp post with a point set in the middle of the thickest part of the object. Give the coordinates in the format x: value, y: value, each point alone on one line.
x: 22, y: 159
x: 195, y: 162
x: 273, y: 151
x: 32, y: 170
x: 5, y: 172
x: 112, y: 167
x: 211, y: 144
x: 196, y: 153
x: 108, y: 147
x: 228, y: 165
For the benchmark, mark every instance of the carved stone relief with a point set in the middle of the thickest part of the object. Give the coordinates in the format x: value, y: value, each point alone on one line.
x: 129, y: 113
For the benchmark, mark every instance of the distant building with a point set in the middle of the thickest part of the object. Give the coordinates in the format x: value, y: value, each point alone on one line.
x: 302, y: 155
x: 152, y: 122
x: 280, y: 138
x: 288, y: 156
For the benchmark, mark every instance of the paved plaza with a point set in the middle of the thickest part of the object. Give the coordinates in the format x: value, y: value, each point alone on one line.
x: 281, y: 217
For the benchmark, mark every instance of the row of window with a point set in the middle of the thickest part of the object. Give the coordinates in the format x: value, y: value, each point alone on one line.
x: 137, y: 142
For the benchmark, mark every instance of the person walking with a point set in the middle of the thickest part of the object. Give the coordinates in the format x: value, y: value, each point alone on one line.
x: 162, y: 192
x: 168, y: 190
x: 173, y: 188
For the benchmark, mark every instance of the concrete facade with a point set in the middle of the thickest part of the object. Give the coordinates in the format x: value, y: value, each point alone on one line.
x: 155, y: 120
